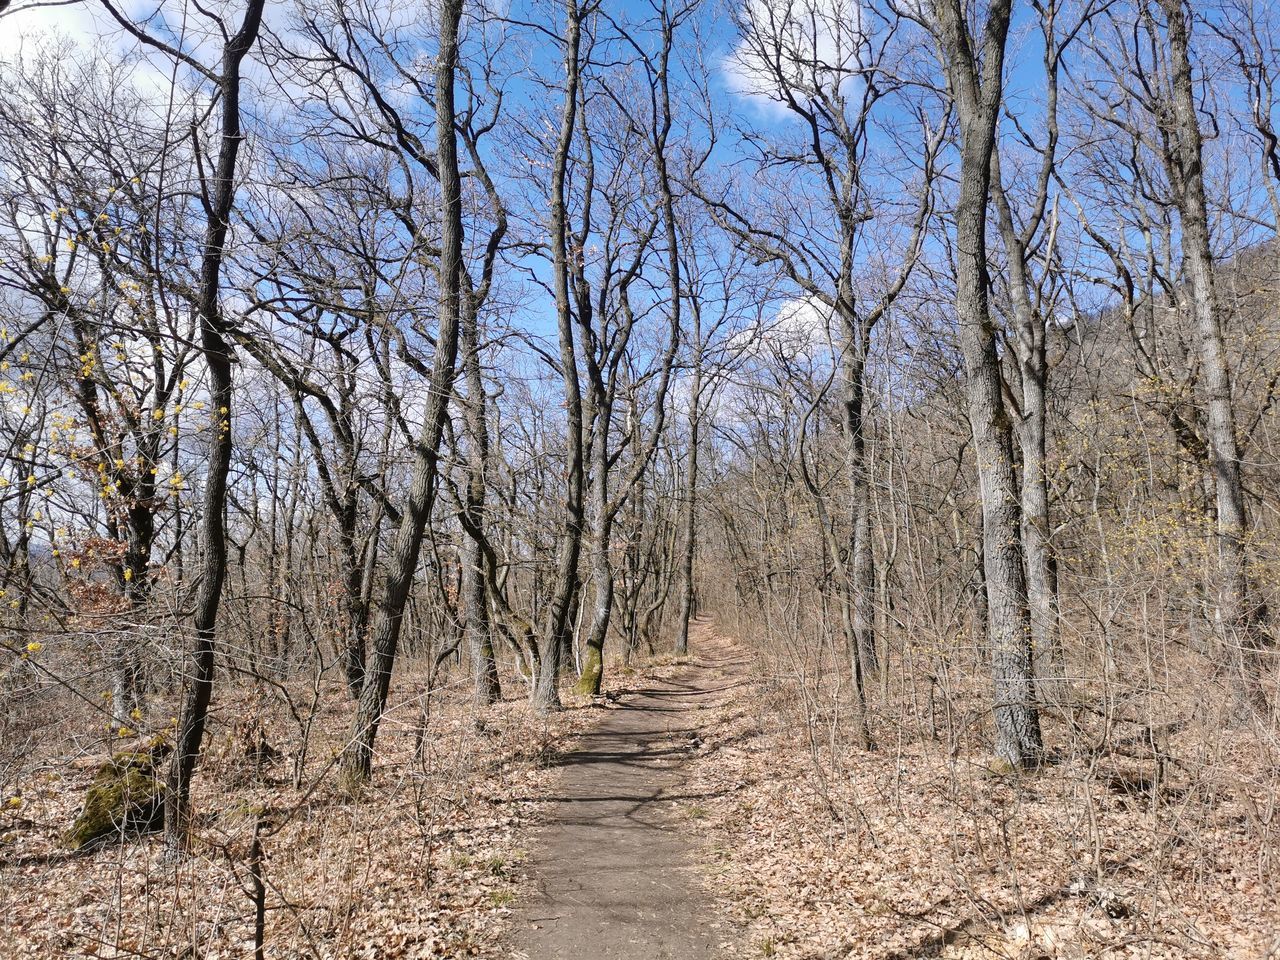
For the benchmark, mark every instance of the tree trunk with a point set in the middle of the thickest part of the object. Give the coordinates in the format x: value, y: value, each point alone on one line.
x: 976, y: 88
x: 353, y: 652
x: 1242, y: 614
x: 475, y: 607
x: 688, y: 518
x: 217, y: 355
x: 127, y: 694
x: 601, y: 568
x: 861, y: 572
x: 1033, y: 371
x: 546, y: 694
x: 357, y: 761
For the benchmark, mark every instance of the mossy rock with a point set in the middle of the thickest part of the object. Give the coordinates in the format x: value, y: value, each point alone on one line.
x: 126, y: 797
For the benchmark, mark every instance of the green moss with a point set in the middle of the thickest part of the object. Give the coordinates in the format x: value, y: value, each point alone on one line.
x: 126, y: 797
x: 998, y: 768
x: 592, y: 672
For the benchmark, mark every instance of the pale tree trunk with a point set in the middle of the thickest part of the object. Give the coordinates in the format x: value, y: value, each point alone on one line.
x: 1042, y: 568
x: 1242, y: 614
x: 478, y: 631
x: 601, y: 568
x: 976, y: 89
x: 1029, y: 349
x: 357, y: 759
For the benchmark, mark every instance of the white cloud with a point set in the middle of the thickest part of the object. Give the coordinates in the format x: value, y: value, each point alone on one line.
x: 798, y: 47
x: 801, y: 328
x: 22, y: 28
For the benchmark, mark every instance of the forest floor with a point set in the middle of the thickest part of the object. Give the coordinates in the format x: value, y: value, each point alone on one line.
x: 703, y: 808
x: 816, y: 849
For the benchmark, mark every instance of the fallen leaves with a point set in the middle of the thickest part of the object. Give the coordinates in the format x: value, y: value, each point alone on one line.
x: 427, y: 863
x: 915, y: 851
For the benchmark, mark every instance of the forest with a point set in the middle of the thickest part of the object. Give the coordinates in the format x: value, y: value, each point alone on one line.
x: 639, y: 479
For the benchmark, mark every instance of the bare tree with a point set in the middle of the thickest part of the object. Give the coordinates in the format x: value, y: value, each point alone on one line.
x: 385, y: 633
x: 974, y: 64
x: 219, y: 197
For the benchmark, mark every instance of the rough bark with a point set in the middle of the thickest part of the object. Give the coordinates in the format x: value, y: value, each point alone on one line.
x: 1242, y: 613
x: 975, y: 81
x: 601, y: 568
x: 1029, y: 348
x: 860, y: 570
x: 475, y: 607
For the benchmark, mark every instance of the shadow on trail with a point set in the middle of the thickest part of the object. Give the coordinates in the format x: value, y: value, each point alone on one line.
x: 613, y: 860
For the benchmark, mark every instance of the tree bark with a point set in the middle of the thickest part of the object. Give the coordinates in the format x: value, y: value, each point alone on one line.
x: 976, y: 86
x: 1033, y: 372
x: 688, y: 517
x: 601, y: 568
x: 861, y: 571
x: 1242, y: 614
x: 546, y: 694
x: 478, y: 631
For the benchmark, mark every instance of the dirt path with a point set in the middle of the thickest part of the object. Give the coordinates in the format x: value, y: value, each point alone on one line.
x: 612, y: 860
